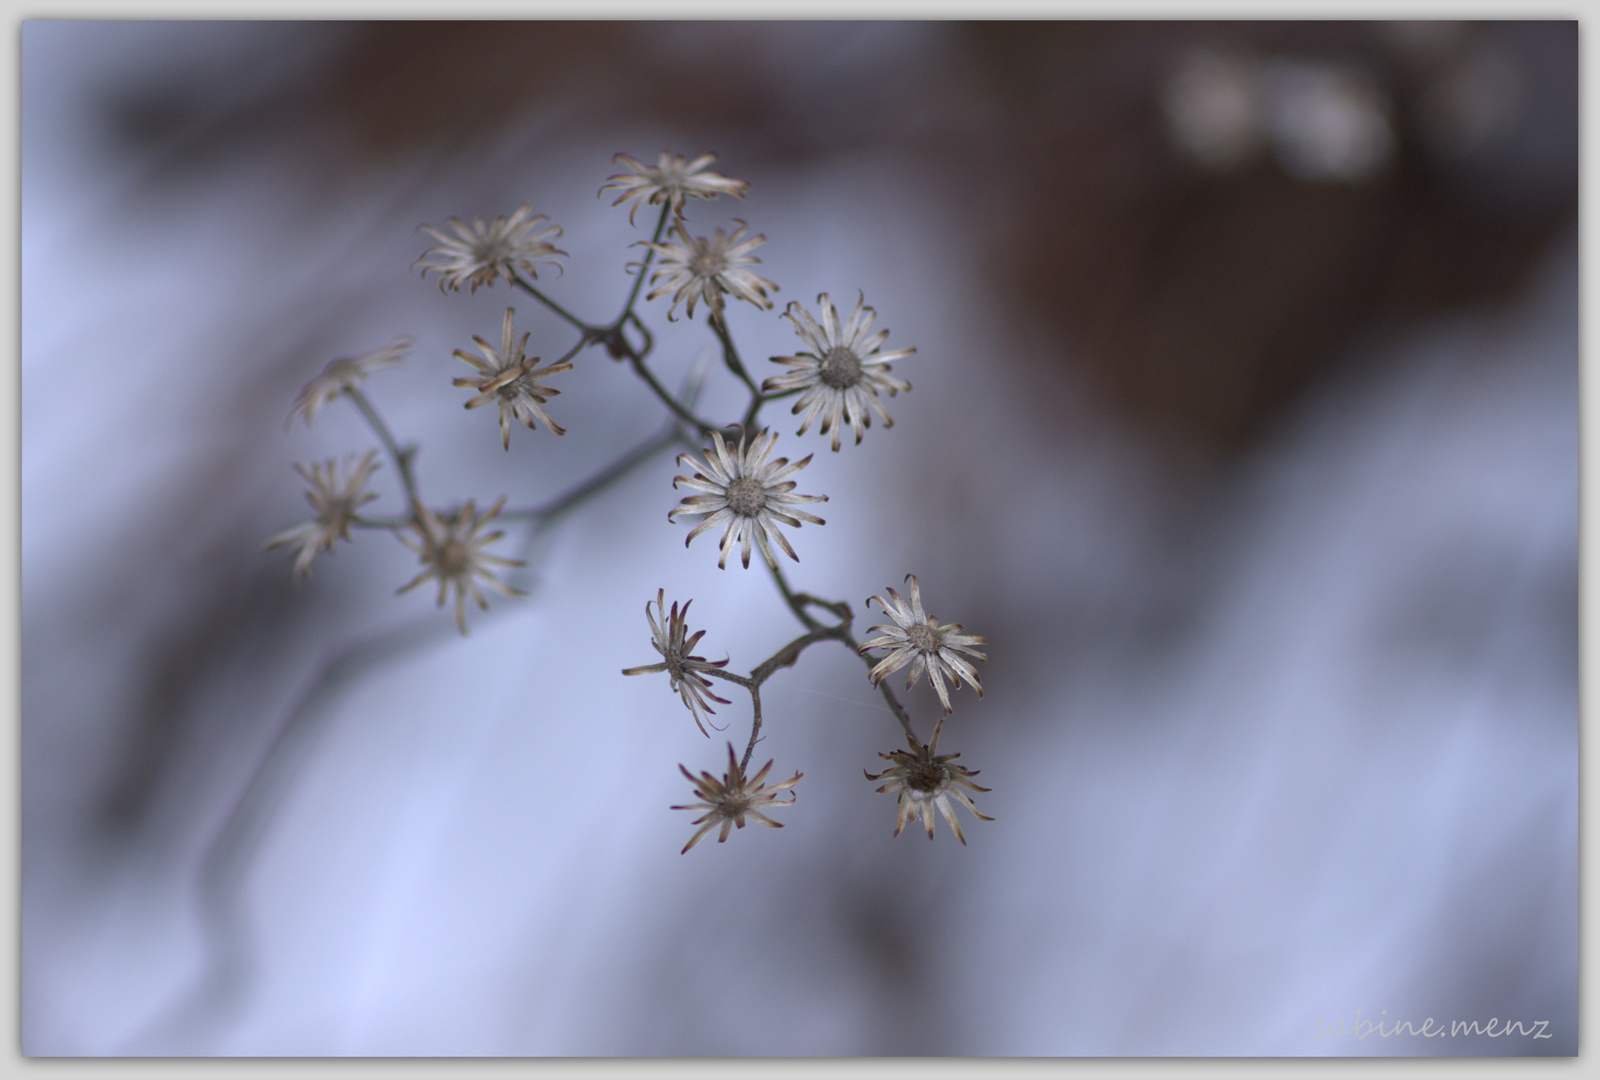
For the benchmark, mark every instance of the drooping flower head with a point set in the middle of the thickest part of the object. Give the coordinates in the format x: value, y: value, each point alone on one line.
x: 452, y: 554
x: 698, y: 269
x: 345, y: 373
x: 668, y: 637
x: 916, y: 638
x: 671, y: 181
x: 843, y: 372
x: 479, y: 253
x: 727, y: 802
x: 335, y: 502
x: 747, y: 493
x: 511, y: 378
x: 927, y: 779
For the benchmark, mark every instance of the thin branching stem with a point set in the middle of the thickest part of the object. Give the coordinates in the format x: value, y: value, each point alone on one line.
x: 789, y: 655
x: 755, y: 727
x: 728, y: 676
x: 883, y: 687
x: 649, y: 338
x: 792, y: 600
x: 730, y: 357
x: 649, y: 254
x: 401, y: 458
x: 704, y: 427
x: 799, y: 602
x: 519, y: 282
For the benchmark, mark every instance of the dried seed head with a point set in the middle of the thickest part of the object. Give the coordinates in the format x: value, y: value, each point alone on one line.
x: 916, y: 638
x: 727, y: 802
x: 671, y: 638
x: 927, y: 781
x: 748, y: 494
x: 844, y: 372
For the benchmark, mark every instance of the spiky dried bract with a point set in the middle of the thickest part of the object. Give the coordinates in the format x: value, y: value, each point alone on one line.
x: 335, y: 502
x: 512, y: 378
x: 727, y: 802
x: 451, y: 549
x: 478, y: 253
x: 843, y: 372
x: 345, y: 373
x: 916, y: 638
x: 704, y: 269
x: 668, y: 637
x: 672, y: 180
x: 927, y: 779
x: 746, y: 492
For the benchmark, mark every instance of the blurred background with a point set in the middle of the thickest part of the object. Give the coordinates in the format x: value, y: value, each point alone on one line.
x: 1245, y: 427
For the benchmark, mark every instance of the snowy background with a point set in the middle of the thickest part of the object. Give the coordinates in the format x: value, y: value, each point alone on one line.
x: 1245, y: 427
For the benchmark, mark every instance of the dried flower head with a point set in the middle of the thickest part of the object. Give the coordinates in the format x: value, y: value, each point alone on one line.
x: 345, y: 373
x: 335, y: 502
x: 668, y: 639
x: 452, y: 554
x: 843, y: 372
x: 703, y: 269
x: 747, y: 492
x: 916, y: 638
x: 511, y: 378
x: 927, y: 779
x: 478, y: 254
x: 726, y: 802
x: 671, y: 181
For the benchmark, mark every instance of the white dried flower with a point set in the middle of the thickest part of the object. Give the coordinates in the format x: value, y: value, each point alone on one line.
x: 916, y: 638
x: 335, y: 502
x: 478, y: 253
x: 704, y: 269
x: 843, y: 372
x: 728, y: 801
x: 452, y: 554
x: 511, y: 378
x: 671, y: 181
x: 927, y: 779
x: 668, y: 638
x: 345, y: 373
x: 748, y: 493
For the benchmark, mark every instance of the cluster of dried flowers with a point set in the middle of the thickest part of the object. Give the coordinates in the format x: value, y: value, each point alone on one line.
x: 737, y: 483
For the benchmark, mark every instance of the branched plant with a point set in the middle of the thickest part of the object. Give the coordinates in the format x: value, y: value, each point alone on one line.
x: 736, y: 482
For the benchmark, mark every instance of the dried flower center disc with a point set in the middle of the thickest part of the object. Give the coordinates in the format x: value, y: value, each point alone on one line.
x: 734, y: 804
x: 840, y: 368
x: 705, y: 264
x: 746, y: 496
x: 928, y: 777
x: 453, y: 558
x: 924, y: 638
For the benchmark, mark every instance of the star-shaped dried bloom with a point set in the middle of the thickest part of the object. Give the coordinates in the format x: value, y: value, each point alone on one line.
x: 704, y: 269
x: 916, y: 638
x: 728, y: 801
x: 748, y: 493
x: 671, y: 181
x: 668, y: 636
x: 843, y: 372
x: 452, y: 554
x: 335, y: 502
x: 479, y: 253
x: 345, y: 373
x: 927, y: 779
x: 511, y: 378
